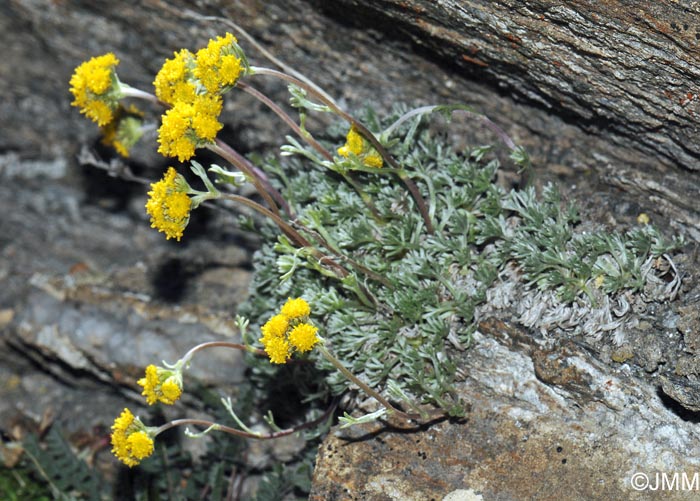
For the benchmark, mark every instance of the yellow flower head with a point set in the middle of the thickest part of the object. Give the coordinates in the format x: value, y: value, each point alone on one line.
x: 218, y: 67
x: 189, y: 125
x: 356, y: 145
x: 140, y: 445
x: 303, y: 337
x: 353, y: 144
x: 174, y: 81
x: 171, y: 389
x: 278, y: 349
x: 132, y: 441
x: 96, y: 89
x: 287, y: 332
x: 169, y: 205
x: 161, y: 385
x: 276, y: 327
x: 295, y: 308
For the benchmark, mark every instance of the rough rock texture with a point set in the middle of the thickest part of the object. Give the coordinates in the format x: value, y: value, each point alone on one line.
x: 89, y: 293
x: 92, y: 297
x: 584, y: 58
x: 625, y: 72
x: 544, y: 423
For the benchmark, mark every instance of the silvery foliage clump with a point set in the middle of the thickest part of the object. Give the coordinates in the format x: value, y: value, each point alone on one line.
x: 492, y: 249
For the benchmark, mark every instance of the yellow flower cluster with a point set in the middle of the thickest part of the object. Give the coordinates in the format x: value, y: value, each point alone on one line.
x: 188, y: 125
x: 353, y: 144
x: 132, y: 441
x: 95, y: 86
x: 193, y: 85
x: 217, y: 66
x: 356, y: 145
x: 295, y: 308
x: 289, y: 331
x: 161, y: 385
x: 174, y: 81
x: 169, y: 205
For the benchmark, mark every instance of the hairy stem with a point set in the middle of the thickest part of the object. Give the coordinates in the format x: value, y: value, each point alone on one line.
x: 284, y: 226
x: 219, y: 344
x: 290, y: 231
x: 364, y: 131
x: 239, y: 433
x: 308, y: 138
x: 129, y: 91
x: 363, y: 386
x: 287, y: 120
x: 257, y: 177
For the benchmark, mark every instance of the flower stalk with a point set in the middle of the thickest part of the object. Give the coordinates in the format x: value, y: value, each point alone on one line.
x: 364, y: 131
x: 311, y: 141
x: 257, y: 177
x: 390, y: 409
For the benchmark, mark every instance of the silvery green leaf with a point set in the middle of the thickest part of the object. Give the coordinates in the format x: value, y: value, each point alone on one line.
x: 233, y: 178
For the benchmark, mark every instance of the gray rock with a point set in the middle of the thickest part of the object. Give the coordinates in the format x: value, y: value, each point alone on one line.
x: 582, y: 432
